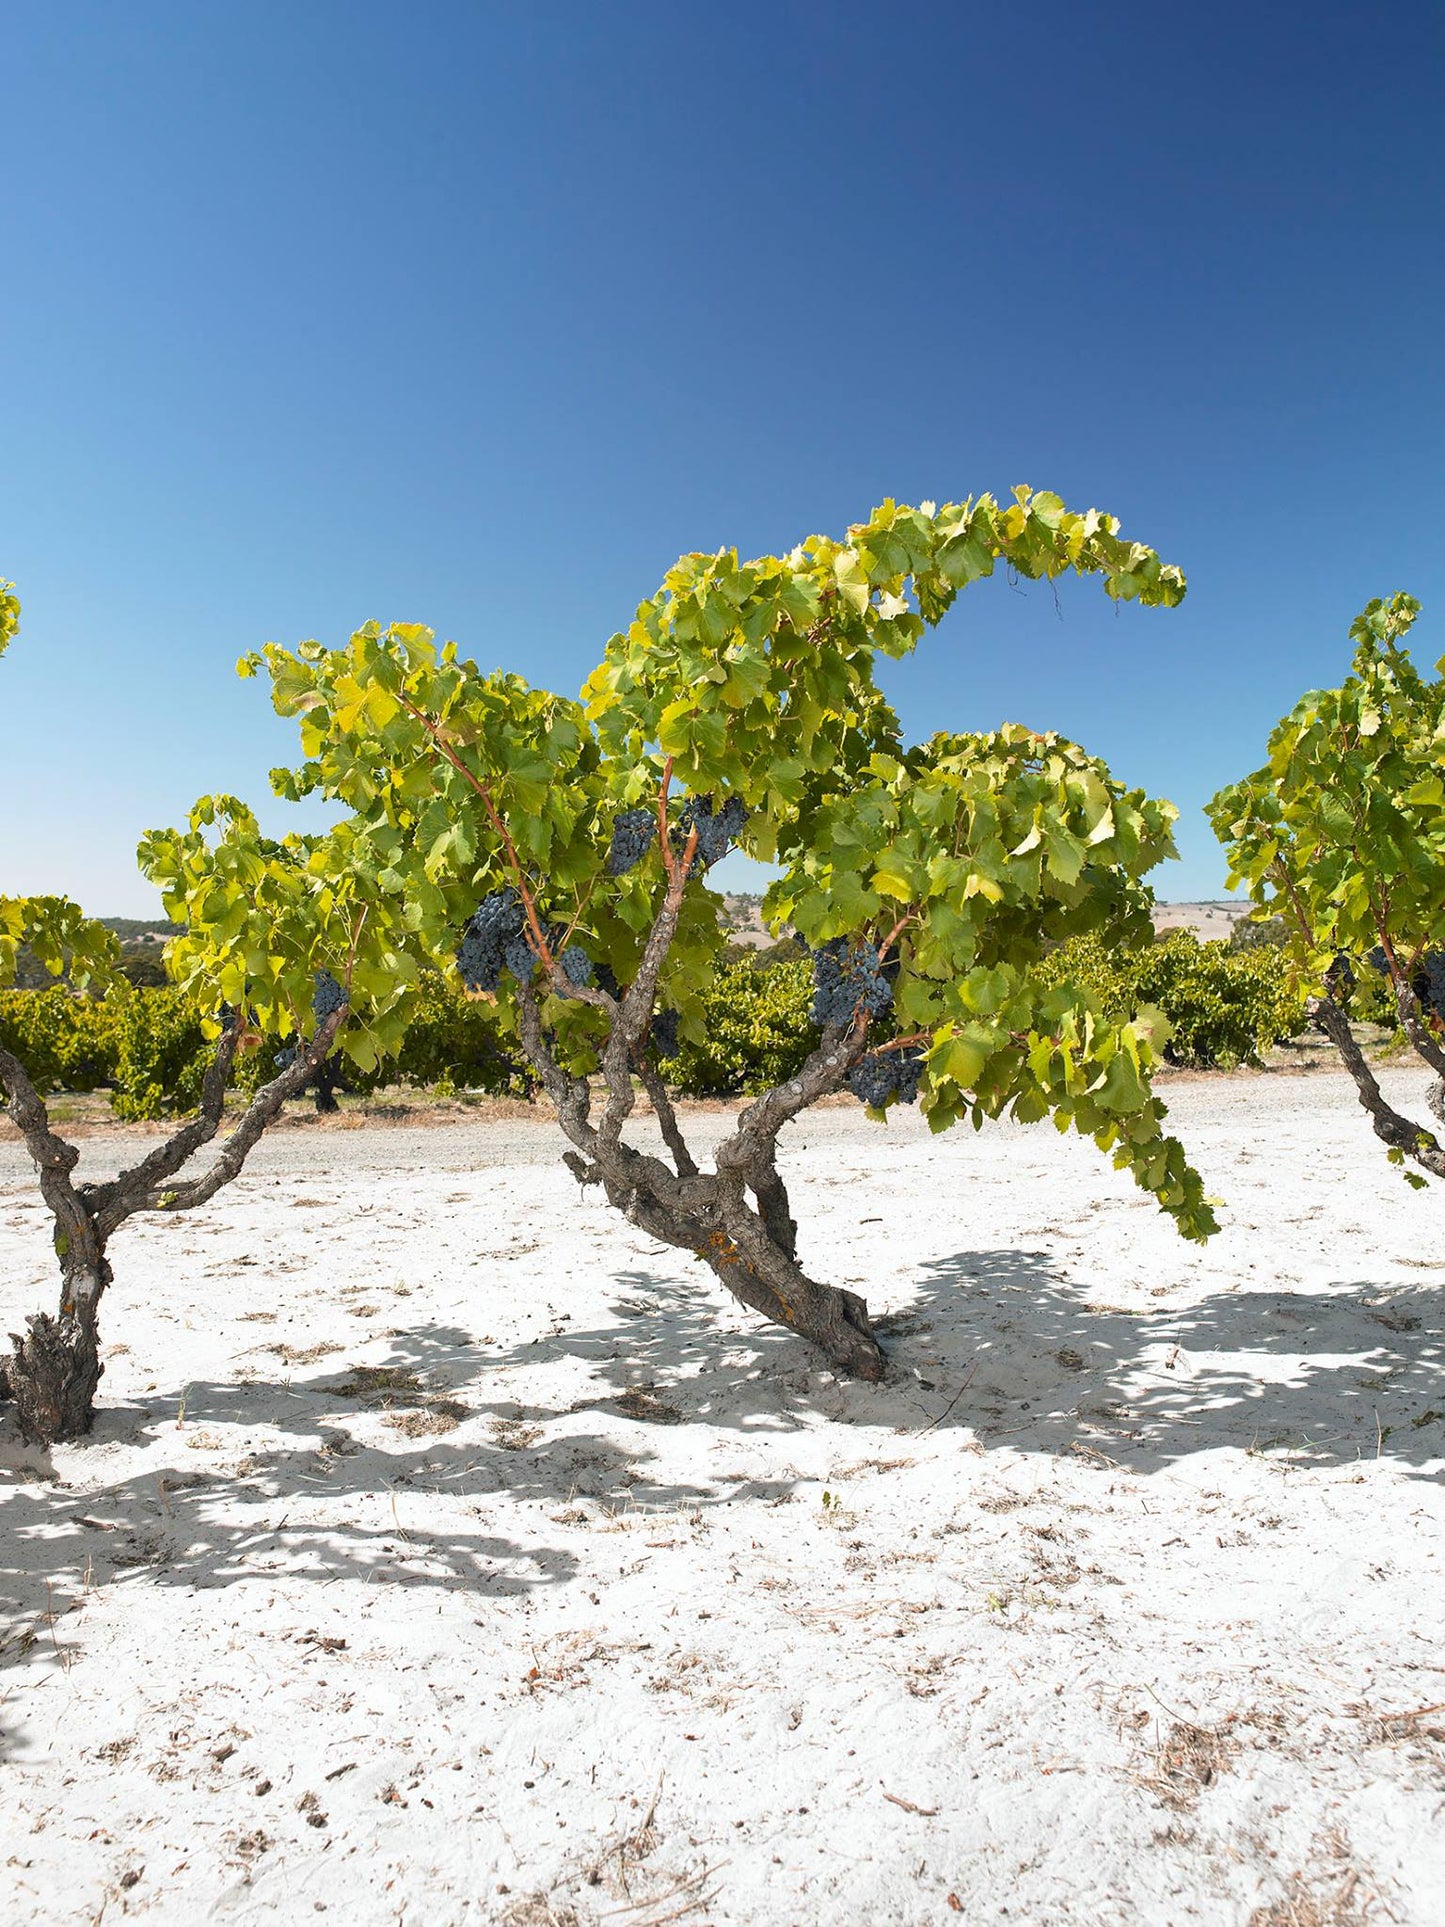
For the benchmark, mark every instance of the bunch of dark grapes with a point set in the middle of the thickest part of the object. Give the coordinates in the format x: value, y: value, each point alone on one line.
x: 1432, y: 971
x: 714, y: 832
x: 576, y: 966
x: 328, y: 996
x: 663, y: 1035
x: 1340, y: 977
x: 632, y: 834
x: 285, y: 1058
x: 1377, y: 959
x: 520, y: 958
x: 846, y: 976
x: 495, y: 924
x: 884, y: 1075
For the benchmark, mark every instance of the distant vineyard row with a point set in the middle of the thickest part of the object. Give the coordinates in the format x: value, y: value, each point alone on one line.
x: 1226, y: 1006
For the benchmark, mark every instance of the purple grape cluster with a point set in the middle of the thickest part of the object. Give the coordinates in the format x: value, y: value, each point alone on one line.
x: 1428, y: 982
x: 1432, y: 969
x: 632, y: 834
x: 847, y: 976
x: 1340, y: 977
x: 327, y: 997
x: 882, y: 1076
x: 663, y: 1035
x: 520, y: 958
x: 495, y: 924
x: 714, y: 832
x: 576, y: 966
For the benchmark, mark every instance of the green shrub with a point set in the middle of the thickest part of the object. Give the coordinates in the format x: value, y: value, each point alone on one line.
x: 1227, y: 1005
x: 758, y: 1030
x: 162, y: 1056
x: 452, y: 1043
x: 66, y: 1042
x: 151, y: 1047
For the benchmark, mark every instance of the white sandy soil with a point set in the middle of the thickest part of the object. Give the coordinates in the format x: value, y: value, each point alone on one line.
x: 1121, y: 1602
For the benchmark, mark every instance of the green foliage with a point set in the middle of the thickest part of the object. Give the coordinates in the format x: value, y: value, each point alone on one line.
x: 65, y: 1042
x: 163, y: 1048
x: 755, y: 1030
x: 153, y: 1046
x: 9, y: 615
x: 757, y: 677
x: 1223, y: 1007
x: 1342, y: 835
x: 1259, y: 933
x: 970, y: 857
x: 1342, y: 831
x: 264, y: 916
x: 58, y: 935
x: 452, y: 1043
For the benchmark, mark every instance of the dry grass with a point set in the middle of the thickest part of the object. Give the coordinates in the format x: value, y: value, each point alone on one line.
x: 1189, y: 1759
x: 379, y: 1385
x: 306, y: 1355
x: 438, y: 1416
x: 1391, y: 1729
x: 513, y: 1436
x: 1335, y: 1899
x: 648, y: 1408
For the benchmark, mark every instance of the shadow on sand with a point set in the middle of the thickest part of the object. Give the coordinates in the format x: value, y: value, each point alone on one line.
x: 998, y: 1342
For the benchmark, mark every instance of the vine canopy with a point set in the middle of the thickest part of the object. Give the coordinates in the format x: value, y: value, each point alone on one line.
x: 749, y: 688
x: 1342, y: 831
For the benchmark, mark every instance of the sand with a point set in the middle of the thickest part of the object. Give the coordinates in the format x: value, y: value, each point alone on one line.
x: 447, y: 1551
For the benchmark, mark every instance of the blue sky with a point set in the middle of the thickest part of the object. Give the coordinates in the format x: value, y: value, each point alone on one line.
x: 479, y: 315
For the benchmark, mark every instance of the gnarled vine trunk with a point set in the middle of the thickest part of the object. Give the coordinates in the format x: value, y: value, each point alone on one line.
x: 737, y: 1219
x: 1400, y: 1133
x: 54, y: 1371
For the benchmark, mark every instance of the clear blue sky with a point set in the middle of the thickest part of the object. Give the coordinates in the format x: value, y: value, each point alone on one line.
x: 479, y: 315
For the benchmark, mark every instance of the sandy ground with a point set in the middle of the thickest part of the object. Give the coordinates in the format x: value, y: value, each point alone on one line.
x: 448, y: 1552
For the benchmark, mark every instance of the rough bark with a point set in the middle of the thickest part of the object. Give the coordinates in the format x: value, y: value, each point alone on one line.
x: 751, y: 1247
x: 1393, y: 1129
x: 55, y: 1370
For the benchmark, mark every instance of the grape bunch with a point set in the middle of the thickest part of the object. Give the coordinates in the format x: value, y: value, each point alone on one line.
x: 1430, y: 981
x: 520, y: 958
x: 714, y: 832
x: 1340, y: 977
x: 846, y: 975
x: 328, y: 996
x: 663, y: 1035
x: 576, y: 966
x: 632, y: 834
x: 285, y: 1057
x: 494, y: 926
x: 883, y: 1075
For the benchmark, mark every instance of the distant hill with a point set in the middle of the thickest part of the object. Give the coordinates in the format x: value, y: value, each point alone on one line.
x: 139, y: 930
x: 1211, y: 920
x: 141, y: 942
